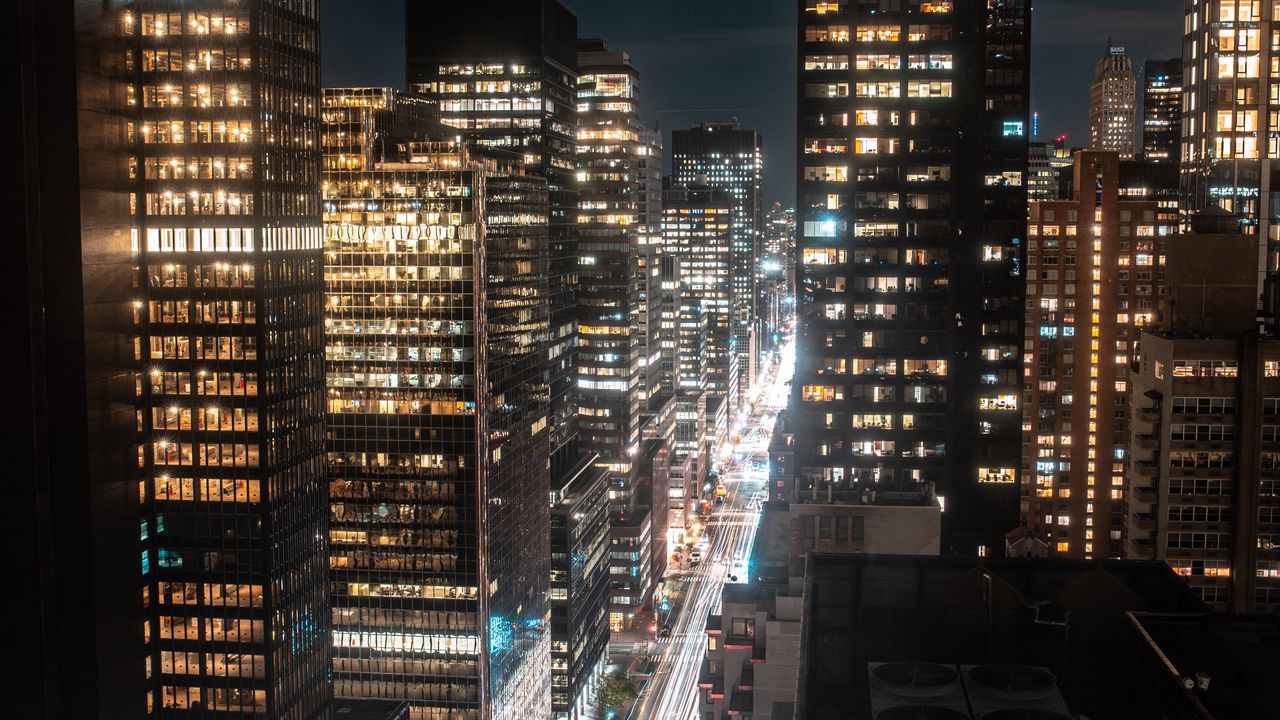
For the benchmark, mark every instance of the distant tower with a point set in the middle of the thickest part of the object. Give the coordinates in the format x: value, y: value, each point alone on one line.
x: 1161, y: 109
x: 1112, y: 104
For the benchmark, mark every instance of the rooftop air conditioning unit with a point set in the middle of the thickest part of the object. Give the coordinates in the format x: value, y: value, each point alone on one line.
x: 911, y: 690
x: 1003, y: 691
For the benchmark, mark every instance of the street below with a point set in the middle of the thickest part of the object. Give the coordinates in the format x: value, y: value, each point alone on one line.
x: 729, y: 532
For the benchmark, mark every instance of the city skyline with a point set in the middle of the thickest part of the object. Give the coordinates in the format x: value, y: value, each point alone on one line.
x: 754, y: 46
x: 471, y: 369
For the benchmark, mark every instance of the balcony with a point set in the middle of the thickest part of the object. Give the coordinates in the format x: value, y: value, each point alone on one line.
x: 1146, y: 493
x: 1148, y: 414
x: 1147, y: 441
x: 1144, y: 521
x: 1147, y: 468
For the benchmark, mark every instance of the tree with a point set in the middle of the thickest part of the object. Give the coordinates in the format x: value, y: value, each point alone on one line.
x: 614, y: 692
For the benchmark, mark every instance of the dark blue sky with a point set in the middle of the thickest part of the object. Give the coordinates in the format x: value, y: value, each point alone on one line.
x: 712, y: 59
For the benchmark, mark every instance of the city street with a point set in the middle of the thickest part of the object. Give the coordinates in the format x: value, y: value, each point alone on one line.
x: 671, y: 693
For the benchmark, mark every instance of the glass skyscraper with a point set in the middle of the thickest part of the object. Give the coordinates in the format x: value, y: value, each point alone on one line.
x: 437, y: 322
x: 224, y: 99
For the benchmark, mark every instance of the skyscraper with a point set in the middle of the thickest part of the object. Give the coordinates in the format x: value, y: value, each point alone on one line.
x: 580, y: 586
x: 1161, y: 109
x: 1230, y: 135
x: 910, y: 254
x: 74, y: 630
x: 229, y: 279
x: 504, y: 73
x: 436, y: 326
x: 1095, y: 278
x: 728, y: 157
x: 1113, y: 105
x: 610, y: 354
x: 697, y: 233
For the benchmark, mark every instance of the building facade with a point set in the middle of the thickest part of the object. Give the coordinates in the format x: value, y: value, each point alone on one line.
x: 697, y: 231
x: 910, y: 267
x: 1095, y: 278
x: 76, y: 633
x: 504, y: 75
x: 229, y: 329
x: 1204, y: 489
x: 1229, y: 126
x: 1113, y: 105
x: 1161, y: 110
x: 579, y: 588
x: 612, y: 237
x: 436, y: 330
x: 728, y: 157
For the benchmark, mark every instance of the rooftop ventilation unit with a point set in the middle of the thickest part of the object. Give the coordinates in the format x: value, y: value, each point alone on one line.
x: 912, y: 690
x: 1003, y: 691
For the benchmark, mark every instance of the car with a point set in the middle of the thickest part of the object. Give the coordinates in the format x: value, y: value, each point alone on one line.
x: 695, y: 557
x: 665, y: 632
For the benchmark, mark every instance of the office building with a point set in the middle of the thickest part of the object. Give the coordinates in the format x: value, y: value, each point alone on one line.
x: 436, y: 328
x: 1113, y: 105
x: 504, y: 75
x: 1204, y: 485
x: 611, y: 237
x: 1045, y: 162
x: 1095, y: 278
x: 1161, y: 109
x: 229, y: 330
x: 728, y: 157
x: 910, y: 275
x: 697, y: 231
x: 363, y: 126
x: 775, y: 281
x: 74, y: 624
x: 579, y: 588
x: 1230, y: 137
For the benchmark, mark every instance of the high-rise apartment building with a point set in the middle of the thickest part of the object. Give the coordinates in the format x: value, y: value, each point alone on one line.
x: 1230, y: 129
x: 436, y: 331
x: 910, y: 269
x: 1204, y: 479
x: 1113, y: 105
x: 74, y: 624
x: 727, y: 156
x: 504, y: 75
x: 1095, y: 278
x: 1161, y: 110
x: 225, y: 117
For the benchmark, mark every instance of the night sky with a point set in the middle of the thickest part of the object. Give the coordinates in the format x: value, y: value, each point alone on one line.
x: 714, y: 59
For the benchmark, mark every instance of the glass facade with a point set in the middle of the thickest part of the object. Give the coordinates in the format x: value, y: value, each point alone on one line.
x: 1231, y: 119
x: 511, y: 85
x: 437, y: 318
x: 909, y: 276
x: 728, y: 157
x: 228, y: 317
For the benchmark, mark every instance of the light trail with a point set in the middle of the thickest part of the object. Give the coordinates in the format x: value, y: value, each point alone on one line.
x: 672, y: 692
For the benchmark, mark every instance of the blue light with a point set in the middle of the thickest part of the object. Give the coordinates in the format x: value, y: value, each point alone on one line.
x: 499, y: 634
